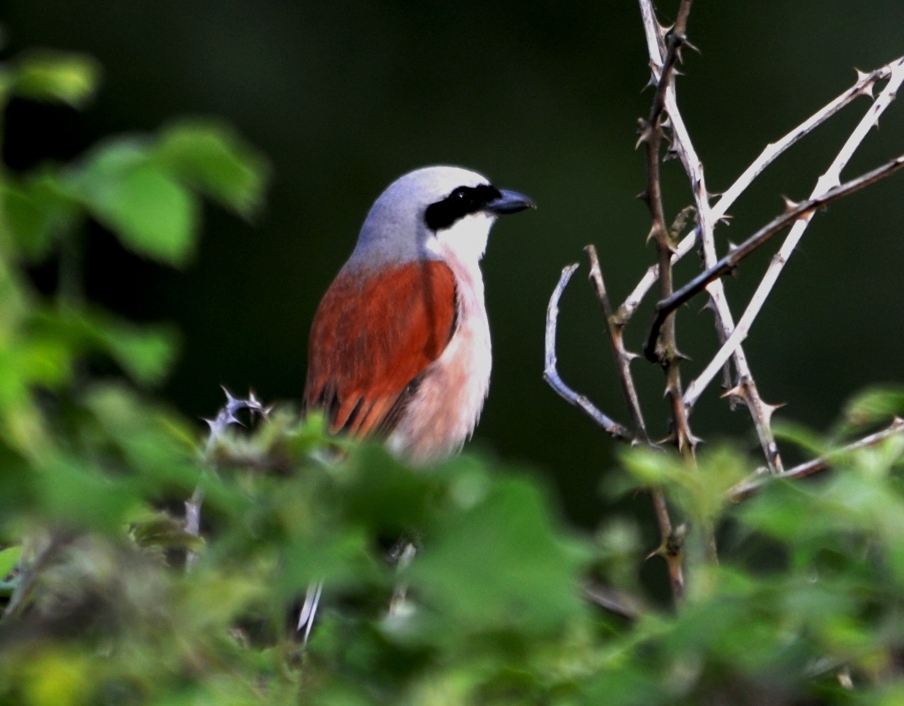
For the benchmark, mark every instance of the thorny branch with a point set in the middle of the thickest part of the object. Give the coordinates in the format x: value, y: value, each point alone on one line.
x: 225, y: 417
x: 665, y: 122
x: 748, y: 487
x: 622, y: 357
x: 724, y: 266
x: 772, y: 151
x: 745, y: 389
x: 669, y: 549
x: 652, y: 135
x: 831, y: 178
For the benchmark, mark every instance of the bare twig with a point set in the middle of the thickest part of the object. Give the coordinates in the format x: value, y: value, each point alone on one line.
x: 623, y: 360
x: 749, y: 486
x: 826, y: 183
x: 665, y: 307
x: 551, y: 375
x: 622, y: 357
x: 609, y: 600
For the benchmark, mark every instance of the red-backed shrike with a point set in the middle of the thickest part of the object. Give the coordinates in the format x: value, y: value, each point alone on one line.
x: 400, y: 344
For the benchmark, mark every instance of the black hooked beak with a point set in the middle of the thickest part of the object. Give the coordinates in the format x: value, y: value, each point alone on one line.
x: 509, y: 202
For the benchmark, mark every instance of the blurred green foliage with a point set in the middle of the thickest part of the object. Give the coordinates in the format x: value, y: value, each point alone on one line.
x: 804, y: 604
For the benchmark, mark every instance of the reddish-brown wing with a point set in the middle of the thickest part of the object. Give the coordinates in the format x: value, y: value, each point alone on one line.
x: 372, y: 337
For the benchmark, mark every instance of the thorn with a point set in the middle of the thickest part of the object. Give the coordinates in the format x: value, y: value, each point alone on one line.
x: 708, y: 305
x: 256, y: 405
x: 732, y: 246
x: 212, y: 423
x: 668, y: 439
x: 694, y: 441
x: 681, y: 356
x: 789, y: 204
x: 770, y: 409
x: 738, y: 391
x: 232, y: 419
x: 693, y: 48
x: 629, y: 356
x: 867, y: 88
x: 725, y: 218
x: 643, y: 196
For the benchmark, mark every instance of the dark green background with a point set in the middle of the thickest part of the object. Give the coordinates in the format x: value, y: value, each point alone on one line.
x: 541, y: 97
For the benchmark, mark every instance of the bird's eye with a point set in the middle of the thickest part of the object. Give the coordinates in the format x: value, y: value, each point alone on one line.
x: 461, y: 202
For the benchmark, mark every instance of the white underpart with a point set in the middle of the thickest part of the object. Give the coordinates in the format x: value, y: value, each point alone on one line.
x: 443, y: 413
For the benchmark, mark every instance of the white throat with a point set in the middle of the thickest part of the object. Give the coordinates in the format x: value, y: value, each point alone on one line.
x: 465, y: 242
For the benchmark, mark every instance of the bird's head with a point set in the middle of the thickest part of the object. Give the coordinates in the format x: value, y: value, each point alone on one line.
x: 433, y: 212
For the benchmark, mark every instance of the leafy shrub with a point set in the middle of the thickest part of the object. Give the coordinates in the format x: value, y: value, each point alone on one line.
x: 502, y: 604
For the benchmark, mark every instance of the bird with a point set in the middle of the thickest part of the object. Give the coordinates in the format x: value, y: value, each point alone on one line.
x: 399, y: 348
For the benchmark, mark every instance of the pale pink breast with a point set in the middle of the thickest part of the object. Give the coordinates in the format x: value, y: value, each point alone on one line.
x: 444, y: 411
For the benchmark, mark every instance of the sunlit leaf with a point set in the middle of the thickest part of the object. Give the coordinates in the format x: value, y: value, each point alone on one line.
x: 143, y: 203
x: 874, y: 406
x: 9, y: 557
x: 57, y: 677
x: 214, y: 159
x: 57, y: 76
x: 145, y: 353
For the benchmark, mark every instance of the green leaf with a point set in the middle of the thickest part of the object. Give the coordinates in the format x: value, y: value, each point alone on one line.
x: 782, y: 509
x: 383, y: 494
x: 875, y: 405
x: 9, y: 558
x: 500, y: 564
x: 151, y: 211
x: 146, y: 353
x: 701, y: 489
x: 213, y: 158
x: 800, y: 435
x: 37, y: 211
x: 56, y: 76
x: 75, y: 493
x: 60, y: 335
x: 150, y: 438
